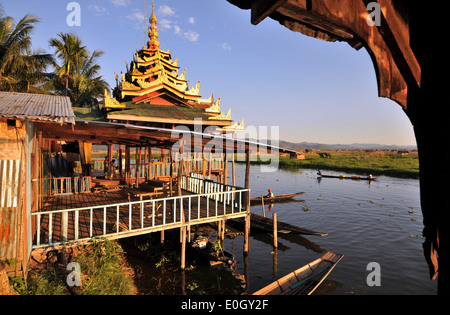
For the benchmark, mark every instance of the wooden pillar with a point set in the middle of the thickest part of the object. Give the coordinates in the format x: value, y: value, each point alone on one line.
x: 225, y: 169
x: 233, y: 170
x: 247, y: 203
x: 146, y: 163
x: 183, y: 244
x: 210, y: 165
x: 204, y: 174
x: 138, y: 165
x: 127, y: 165
x: 180, y: 170
x: 120, y: 161
x: 150, y: 164
x: 171, y: 172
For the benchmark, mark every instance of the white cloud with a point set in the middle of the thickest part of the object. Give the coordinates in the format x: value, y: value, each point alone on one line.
x: 165, y: 24
x: 177, y: 29
x: 225, y: 46
x: 120, y: 3
x: 191, y: 20
x: 138, y: 17
x: 165, y: 10
x: 191, y: 36
x: 98, y: 11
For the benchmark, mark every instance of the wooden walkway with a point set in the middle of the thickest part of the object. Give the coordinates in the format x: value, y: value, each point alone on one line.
x: 78, y: 217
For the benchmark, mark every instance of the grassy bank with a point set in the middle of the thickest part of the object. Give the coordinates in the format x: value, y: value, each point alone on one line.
x: 360, y: 162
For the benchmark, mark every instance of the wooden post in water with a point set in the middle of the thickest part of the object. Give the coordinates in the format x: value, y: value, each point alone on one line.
x: 275, y: 232
x: 263, y: 208
x: 247, y: 203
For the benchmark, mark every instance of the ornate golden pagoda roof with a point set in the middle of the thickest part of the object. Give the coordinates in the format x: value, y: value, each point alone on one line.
x: 154, y: 79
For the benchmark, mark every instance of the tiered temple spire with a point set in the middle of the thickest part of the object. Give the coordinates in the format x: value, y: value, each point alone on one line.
x: 154, y: 91
x: 153, y: 34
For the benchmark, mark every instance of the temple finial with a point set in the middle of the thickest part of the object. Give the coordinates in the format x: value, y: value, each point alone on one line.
x: 153, y: 42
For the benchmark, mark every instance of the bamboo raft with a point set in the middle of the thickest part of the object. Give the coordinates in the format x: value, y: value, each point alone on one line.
x: 305, y: 280
x: 274, y: 199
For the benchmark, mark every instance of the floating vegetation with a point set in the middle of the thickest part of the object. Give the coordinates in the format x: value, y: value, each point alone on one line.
x: 305, y: 208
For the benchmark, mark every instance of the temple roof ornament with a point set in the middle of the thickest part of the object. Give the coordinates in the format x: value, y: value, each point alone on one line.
x: 215, y: 107
x: 112, y: 102
x: 236, y: 126
x: 222, y: 116
x: 195, y: 90
x: 153, y: 34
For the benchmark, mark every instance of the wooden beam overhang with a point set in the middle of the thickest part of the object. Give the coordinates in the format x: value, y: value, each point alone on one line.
x: 141, y: 136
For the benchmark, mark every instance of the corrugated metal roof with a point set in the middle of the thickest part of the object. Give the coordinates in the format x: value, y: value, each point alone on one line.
x: 36, y: 107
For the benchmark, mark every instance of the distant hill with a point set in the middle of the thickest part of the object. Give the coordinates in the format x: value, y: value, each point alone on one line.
x: 352, y: 146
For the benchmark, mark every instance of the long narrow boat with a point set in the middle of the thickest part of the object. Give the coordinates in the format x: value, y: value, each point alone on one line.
x: 355, y: 177
x: 261, y: 223
x: 274, y: 199
x: 305, y: 280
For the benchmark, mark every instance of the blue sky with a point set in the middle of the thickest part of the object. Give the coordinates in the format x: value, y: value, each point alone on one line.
x: 315, y: 91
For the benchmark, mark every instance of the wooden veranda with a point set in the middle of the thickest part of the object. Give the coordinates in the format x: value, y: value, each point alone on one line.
x: 77, y: 218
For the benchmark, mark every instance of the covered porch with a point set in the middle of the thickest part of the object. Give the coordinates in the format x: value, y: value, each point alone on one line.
x: 144, y: 195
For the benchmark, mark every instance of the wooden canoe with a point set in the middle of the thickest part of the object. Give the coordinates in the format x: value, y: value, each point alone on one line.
x: 355, y: 177
x: 274, y: 199
x: 265, y: 224
x: 304, y: 280
x: 210, y: 254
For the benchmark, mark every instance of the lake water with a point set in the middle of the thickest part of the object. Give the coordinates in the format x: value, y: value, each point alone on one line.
x: 377, y: 222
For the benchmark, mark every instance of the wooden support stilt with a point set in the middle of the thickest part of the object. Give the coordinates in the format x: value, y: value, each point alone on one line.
x: 275, y: 231
x: 247, y: 204
x: 183, y: 244
x: 263, y: 208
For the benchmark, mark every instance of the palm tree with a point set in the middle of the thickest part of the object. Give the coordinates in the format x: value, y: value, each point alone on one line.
x: 77, y: 74
x: 20, y: 69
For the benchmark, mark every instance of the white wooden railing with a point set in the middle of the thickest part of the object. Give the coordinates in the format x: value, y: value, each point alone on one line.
x: 140, y: 217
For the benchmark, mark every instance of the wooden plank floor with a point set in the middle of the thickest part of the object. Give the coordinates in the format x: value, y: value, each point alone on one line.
x: 152, y: 217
